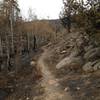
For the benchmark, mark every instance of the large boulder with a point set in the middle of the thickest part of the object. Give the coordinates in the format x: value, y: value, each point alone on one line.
x: 95, y: 62
x: 88, y: 67
x: 92, y: 54
x: 88, y: 48
x: 92, y: 66
x: 70, y: 62
x: 96, y: 66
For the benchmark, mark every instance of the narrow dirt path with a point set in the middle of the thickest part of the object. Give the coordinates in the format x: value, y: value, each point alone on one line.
x: 53, y: 89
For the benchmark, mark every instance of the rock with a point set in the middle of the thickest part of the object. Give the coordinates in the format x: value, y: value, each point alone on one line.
x: 92, y: 66
x: 63, y: 52
x: 78, y: 88
x: 92, y: 54
x: 70, y: 62
x: 33, y: 63
x: 49, y: 44
x: 88, y: 67
x: 66, y: 89
x: 27, y: 98
x: 95, y: 62
x: 88, y: 48
x: 96, y: 66
x: 63, y: 62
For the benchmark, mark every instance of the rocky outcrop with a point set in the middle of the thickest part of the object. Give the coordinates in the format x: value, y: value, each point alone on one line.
x: 88, y: 48
x: 92, y: 59
x: 83, y: 54
x: 91, y: 67
x: 92, y: 54
x: 70, y: 62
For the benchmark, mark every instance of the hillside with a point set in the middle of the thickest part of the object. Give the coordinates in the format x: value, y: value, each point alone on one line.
x: 50, y: 59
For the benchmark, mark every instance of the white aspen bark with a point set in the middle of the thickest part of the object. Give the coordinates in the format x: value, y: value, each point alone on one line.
x: 12, y: 32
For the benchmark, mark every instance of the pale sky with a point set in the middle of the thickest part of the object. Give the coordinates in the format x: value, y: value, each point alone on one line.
x: 42, y: 8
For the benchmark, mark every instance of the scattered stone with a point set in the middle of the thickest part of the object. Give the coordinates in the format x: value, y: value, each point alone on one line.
x: 63, y: 52
x: 27, y: 98
x: 66, y: 89
x: 33, y: 63
x: 78, y: 88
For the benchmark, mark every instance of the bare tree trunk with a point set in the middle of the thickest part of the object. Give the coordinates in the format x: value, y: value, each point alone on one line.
x: 35, y: 44
x: 12, y: 32
x: 21, y: 45
x: 28, y: 42
x: 1, y: 49
x: 8, y: 52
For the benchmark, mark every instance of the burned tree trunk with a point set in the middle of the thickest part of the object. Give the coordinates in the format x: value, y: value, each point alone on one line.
x: 35, y: 44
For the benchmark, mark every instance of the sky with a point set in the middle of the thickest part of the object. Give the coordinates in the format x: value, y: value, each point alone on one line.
x: 43, y: 8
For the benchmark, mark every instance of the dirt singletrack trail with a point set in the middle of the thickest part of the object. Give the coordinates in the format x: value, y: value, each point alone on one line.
x: 53, y: 89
